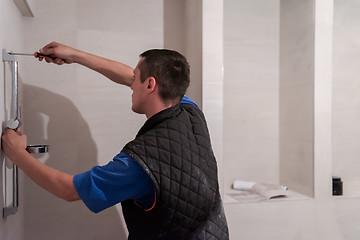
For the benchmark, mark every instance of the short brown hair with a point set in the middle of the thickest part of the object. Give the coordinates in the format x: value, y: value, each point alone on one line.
x: 170, y: 69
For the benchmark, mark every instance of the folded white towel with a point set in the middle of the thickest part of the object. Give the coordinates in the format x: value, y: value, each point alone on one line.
x: 243, y: 185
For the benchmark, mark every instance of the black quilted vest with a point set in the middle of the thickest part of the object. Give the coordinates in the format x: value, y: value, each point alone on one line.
x: 174, y: 148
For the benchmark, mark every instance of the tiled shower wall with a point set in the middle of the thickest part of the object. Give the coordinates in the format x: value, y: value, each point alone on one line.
x: 84, y: 117
x: 296, y: 95
x: 11, y: 39
x: 87, y: 119
x: 346, y: 100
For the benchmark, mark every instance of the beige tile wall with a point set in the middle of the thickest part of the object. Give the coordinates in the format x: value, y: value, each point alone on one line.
x: 346, y: 100
x: 296, y: 95
x: 85, y: 118
x: 10, y: 39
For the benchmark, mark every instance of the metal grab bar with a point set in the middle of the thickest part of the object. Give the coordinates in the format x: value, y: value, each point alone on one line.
x: 15, y: 204
x: 13, y: 122
x: 15, y: 91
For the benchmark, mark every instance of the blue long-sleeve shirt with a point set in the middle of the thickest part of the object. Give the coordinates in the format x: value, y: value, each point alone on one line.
x: 121, y: 179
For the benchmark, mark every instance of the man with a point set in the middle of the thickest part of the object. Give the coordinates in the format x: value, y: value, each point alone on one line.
x: 166, y: 178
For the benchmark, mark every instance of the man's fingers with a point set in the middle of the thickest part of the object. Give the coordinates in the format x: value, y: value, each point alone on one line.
x: 18, y: 131
x: 48, y: 60
x: 9, y: 131
x: 6, y: 131
x: 49, y: 49
x: 57, y: 60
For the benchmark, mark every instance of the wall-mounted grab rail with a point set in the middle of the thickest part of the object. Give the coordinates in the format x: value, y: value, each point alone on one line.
x: 13, y: 122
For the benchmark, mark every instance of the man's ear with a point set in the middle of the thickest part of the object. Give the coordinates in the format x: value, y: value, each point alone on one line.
x: 151, y: 83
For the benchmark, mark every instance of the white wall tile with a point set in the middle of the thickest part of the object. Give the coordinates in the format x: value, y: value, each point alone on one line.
x: 89, y: 117
x: 296, y: 95
x: 346, y: 101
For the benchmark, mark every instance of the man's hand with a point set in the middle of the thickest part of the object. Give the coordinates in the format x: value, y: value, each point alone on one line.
x: 58, y: 183
x: 13, y: 142
x: 62, y: 53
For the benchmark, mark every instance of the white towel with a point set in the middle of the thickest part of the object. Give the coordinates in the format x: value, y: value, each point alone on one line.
x: 243, y: 185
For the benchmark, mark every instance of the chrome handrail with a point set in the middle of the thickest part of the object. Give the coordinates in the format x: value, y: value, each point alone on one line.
x: 14, y: 118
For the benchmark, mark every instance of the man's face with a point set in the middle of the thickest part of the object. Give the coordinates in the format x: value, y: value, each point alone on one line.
x: 139, y: 94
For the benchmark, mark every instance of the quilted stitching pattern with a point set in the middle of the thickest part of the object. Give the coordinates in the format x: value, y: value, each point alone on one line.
x: 177, y: 154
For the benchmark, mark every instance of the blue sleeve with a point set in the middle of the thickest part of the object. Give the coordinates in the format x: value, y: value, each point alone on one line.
x: 121, y: 179
x: 186, y: 99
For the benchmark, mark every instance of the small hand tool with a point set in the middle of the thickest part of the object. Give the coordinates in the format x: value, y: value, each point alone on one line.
x: 35, y: 54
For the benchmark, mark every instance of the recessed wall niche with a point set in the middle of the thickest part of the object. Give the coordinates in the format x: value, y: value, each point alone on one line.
x: 269, y: 93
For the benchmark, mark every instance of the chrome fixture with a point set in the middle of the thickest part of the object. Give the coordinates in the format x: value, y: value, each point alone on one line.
x: 14, y: 122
